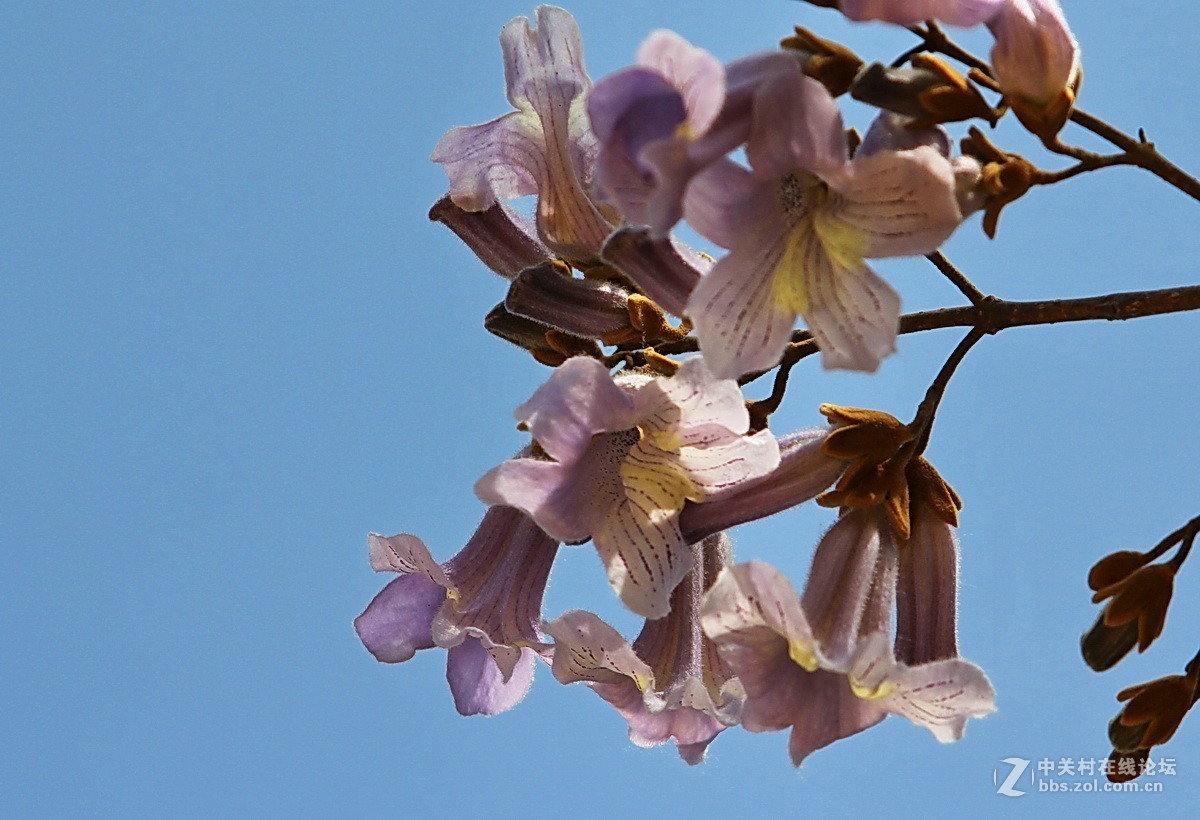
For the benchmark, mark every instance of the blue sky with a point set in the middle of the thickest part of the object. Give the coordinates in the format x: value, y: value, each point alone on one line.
x: 232, y: 345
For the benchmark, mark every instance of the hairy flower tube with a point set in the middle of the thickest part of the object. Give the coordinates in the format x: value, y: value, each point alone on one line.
x: 763, y: 634
x: 484, y: 605
x: 623, y: 456
x: 670, y: 684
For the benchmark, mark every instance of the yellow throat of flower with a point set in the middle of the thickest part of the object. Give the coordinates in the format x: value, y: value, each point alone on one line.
x: 875, y: 692
x: 818, y: 237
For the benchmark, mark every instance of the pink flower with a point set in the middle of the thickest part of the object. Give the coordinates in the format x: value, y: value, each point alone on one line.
x: 764, y: 635
x: 1036, y: 58
x: 669, y: 684
x: 910, y: 12
x: 646, y: 118
x: 623, y: 458
x: 484, y: 605
x: 545, y: 147
x: 800, y: 225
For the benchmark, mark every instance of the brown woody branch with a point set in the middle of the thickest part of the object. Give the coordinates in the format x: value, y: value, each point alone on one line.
x: 993, y: 315
x: 1138, y: 150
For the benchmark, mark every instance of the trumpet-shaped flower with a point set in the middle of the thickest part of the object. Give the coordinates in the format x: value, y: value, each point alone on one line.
x: 502, y: 238
x: 799, y: 226
x: 623, y: 458
x: 927, y: 577
x: 545, y: 147
x: 763, y: 634
x: 484, y: 605
x: 670, y: 684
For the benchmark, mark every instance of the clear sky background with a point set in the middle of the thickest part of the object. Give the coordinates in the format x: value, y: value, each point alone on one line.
x: 231, y: 345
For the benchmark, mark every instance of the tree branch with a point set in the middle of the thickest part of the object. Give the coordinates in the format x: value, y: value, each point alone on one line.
x: 1140, y: 151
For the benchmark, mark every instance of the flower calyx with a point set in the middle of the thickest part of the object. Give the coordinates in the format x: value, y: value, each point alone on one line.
x: 1153, y: 711
x: 829, y: 63
x: 1006, y: 177
x: 1115, y: 567
x: 931, y: 92
x: 884, y: 469
x: 1134, y: 617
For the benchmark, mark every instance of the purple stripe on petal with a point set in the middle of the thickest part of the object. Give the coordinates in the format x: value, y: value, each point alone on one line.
x: 853, y: 314
x: 904, y: 202
x: 735, y: 311
x: 644, y: 554
x: 579, y: 400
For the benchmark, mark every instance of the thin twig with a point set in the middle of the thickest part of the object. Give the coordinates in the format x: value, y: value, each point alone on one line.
x: 957, y: 277
x: 1189, y: 538
x: 1141, y: 152
x: 1095, y: 162
x: 1171, y: 540
x: 923, y: 420
x: 762, y: 409
x: 994, y: 315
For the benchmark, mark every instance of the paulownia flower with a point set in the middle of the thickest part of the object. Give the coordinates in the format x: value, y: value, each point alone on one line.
x: 902, y: 502
x: 663, y: 120
x: 927, y: 576
x: 646, y: 118
x: 545, y: 147
x: 800, y: 225
x: 910, y: 12
x: 1036, y: 58
x: 761, y: 630
x: 623, y: 457
x: 484, y: 605
x: 670, y: 684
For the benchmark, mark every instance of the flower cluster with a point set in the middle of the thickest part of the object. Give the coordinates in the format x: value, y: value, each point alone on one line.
x: 654, y: 463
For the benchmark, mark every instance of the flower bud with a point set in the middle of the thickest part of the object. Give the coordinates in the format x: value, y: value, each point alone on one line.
x: 1115, y: 567
x: 550, y: 295
x: 1036, y: 58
